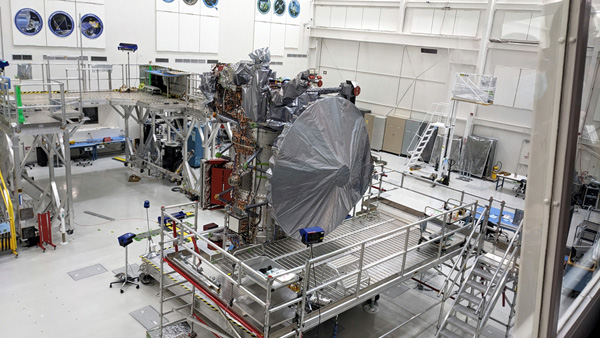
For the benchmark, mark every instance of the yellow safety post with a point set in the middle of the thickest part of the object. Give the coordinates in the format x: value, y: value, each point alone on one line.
x: 11, y: 215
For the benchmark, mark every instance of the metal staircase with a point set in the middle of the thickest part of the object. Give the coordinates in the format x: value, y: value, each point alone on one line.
x: 434, y: 119
x: 484, y: 284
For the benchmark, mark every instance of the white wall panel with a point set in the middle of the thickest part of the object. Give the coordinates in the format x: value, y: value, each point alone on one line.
x: 277, y: 39
x: 262, y: 34
x: 516, y: 26
x: 433, y: 67
x: 19, y: 38
x: 98, y: 10
x: 209, y: 34
x: 190, y: 9
x: 292, y: 36
x: 526, y: 89
x: 332, y: 77
x: 428, y: 93
x: 167, y: 31
x: 338, y: 17
x: 189, y: 33
x: 438, y: 20
x: 322, y: 16
x: 161, y: 5
x: 380, y: 58
x: 371, y: 17
x: 51, y: 38
x: 378, y: 88
x: 443, y: 22
x: 406, y: 90
x: 537, y: 21
x: 339, y: 54
x: 466, y: 23
x: 354, y: 17
x: 510, y: 58
x: 389, y: 19
x: 506, y: 85
x: 422, y: 20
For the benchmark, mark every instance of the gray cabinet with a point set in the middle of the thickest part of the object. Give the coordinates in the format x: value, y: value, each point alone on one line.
x: 376, y: 130
x: 393, y: 140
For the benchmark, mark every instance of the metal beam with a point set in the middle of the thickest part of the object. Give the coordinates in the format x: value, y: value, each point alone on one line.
x: 456, y: 43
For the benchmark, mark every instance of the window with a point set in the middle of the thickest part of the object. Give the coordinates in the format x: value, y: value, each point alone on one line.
x: 92, y: 114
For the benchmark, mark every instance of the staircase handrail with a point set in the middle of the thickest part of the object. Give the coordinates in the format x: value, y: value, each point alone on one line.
x: 464, y: 249
x: 511, y: 248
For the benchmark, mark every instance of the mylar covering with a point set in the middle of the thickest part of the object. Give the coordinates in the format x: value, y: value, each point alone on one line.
x: 320, y: 168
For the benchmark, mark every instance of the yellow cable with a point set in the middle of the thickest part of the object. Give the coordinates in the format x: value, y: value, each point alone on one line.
x: 11, y: 215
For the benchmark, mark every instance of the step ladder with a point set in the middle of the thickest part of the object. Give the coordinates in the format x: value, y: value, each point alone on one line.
x: 415, y: 155
x: 434, y: 119
x: 481, y: 289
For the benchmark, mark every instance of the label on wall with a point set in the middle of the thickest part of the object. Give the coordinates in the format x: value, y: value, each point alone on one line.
x: 61, y: 24
x: 91, y: 26
x: 294, y: 8
x: 28, y: 21
x: 264, y: 6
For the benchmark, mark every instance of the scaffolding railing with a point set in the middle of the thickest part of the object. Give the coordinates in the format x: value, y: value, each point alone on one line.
x: 88, y: 73
x: 239, y: 268
x: 14, y: 104
x: 464, y: 195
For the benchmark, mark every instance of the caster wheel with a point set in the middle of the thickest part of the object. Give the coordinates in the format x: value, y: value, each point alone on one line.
x: 137, y: 286
x: 54, y: 248
x: 44, y: 251
x: 110, y: 286
x: 122, y: 291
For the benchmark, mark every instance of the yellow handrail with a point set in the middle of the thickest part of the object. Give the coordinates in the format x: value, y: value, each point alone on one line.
x: 11, y: 215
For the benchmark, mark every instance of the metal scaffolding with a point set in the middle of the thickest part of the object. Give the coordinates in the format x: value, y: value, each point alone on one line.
x: 356, y: 262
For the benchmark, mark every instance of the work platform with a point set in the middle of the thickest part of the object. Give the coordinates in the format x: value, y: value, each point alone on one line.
x: 379, y: 249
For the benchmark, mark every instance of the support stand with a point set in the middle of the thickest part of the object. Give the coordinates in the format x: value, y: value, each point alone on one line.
x: 371, y: 306
x: 150, y: 242
x: 128, y: 73
x: 45, y: 230
x: 125, y: 278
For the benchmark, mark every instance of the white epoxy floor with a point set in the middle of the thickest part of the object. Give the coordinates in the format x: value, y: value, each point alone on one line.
x: 39, y: 298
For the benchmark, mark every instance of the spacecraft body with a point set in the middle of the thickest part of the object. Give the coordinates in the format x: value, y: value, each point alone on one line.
x: 299, y: 155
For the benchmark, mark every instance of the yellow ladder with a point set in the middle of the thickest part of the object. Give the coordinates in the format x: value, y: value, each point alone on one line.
x: 11, y: 215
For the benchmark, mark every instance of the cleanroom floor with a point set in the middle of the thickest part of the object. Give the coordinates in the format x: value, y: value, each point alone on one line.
x: 40, y: 299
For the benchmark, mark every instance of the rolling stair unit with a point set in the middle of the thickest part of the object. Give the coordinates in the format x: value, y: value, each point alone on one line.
x: 433, y: 121
x: 484, y: 284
